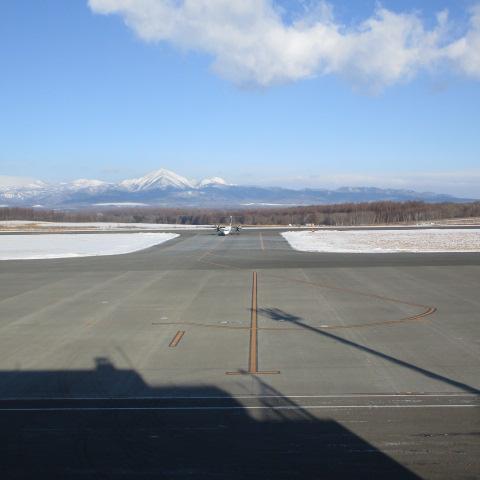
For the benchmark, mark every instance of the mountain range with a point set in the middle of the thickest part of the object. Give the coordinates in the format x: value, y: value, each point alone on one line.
x: 167, y: 189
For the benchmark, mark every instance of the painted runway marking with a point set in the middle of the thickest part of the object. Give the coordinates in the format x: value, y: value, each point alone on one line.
x: 253, y: 397
x: 193, y: 408
x: 176, y: 339
x: 261, y: 242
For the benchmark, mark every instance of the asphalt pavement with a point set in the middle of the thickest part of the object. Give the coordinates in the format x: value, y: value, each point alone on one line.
x: 238, y: 357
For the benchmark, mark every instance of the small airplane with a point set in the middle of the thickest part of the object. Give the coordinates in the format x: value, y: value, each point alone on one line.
x: 223, y: 231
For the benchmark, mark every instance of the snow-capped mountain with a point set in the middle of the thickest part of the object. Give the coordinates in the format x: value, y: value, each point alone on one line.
x: 7, y: 182
x: 20, y: 184
x: 162, y: 178
x: 13, y: 189
x: 168, y: 189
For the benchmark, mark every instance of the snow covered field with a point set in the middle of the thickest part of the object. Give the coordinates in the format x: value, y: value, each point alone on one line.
x: 384, y: 241
x: 25, y: 247
x: 23, y: 225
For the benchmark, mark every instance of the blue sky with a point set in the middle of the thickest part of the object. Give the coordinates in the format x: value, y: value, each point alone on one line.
x: 83, y: 94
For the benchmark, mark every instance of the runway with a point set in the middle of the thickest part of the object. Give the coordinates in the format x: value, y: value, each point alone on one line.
x: 241, y: 342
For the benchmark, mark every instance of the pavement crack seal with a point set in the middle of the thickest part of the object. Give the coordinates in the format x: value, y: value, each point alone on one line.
x: 253, y: 354
x: 428, y: 310
x: 253, y: 346
x: 204, y: 325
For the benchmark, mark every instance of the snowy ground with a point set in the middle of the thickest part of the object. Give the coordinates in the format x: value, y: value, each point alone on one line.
x: 25, y: 247
x: 22, y: 225
x: 383, y: 241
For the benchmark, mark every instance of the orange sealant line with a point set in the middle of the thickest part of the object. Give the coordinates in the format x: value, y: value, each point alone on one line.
x: 176, y: 339
x: 253, y: 352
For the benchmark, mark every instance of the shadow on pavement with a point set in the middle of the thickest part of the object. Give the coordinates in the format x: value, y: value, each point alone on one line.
x: 278, y: 315
x: 108, y: 423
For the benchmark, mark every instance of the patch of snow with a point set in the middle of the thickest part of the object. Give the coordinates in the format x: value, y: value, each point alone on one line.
x: 88, y: 185
x: 29, y: 247
x: 212, y: 181
x: 263, y: 204
x: 121, y: 204
x: 29, y: 225
x: 85, y: 182
x: 385, y: 241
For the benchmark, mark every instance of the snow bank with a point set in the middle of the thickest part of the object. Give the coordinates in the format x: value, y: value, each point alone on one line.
x: 24, y: 247
x: 384, y: 241
x: 32, y: 225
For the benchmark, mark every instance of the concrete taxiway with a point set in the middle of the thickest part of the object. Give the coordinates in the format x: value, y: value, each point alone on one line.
x: 332, y: 364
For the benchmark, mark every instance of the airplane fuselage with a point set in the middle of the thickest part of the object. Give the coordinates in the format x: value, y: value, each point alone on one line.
x: 222, y: 231
x: 225, y: 231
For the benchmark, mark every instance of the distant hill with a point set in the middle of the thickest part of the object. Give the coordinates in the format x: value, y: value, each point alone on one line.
x: 167, y: 189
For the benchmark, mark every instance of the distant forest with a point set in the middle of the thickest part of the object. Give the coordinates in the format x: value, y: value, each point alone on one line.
x: 375, y: 213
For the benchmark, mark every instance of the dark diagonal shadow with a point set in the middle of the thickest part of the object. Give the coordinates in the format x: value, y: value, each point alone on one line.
x: 279, y: 315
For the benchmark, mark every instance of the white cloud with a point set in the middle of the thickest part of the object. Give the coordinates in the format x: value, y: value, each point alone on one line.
x: 464, y: 53
x: 251, y: 43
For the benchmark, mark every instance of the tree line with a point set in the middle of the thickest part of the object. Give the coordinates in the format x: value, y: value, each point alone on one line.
x: 374, y: 213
